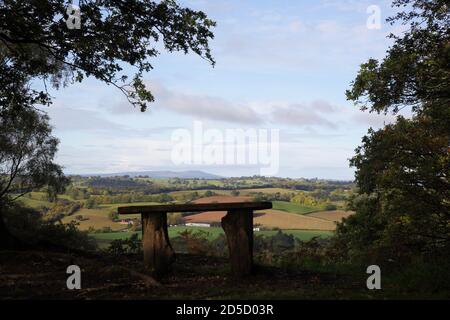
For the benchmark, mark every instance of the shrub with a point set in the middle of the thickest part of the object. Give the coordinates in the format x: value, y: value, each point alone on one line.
x: 197, y: 242
x: 132, y: 245
x: 113, y: 215
x: 175, y: 219
x: 28, y: 226
x: 235, y: 193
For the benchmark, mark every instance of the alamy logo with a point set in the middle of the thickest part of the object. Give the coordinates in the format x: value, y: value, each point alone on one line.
x: 257, y: 147
x: 74, y: 17
x: 374, y: 281
x: 374, y: 20
x: 74, y: 280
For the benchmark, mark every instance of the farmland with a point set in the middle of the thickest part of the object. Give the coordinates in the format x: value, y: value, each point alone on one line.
x: 99, y: 198
x: 293, y: 207
x: 271, y: 219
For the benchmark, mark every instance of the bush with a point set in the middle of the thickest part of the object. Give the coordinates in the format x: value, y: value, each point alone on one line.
x: 132, y: 245
x: 61, y: 209
x: 66, y: 235
x: 91, y: 203
x: 28, y: 225
x: 209, y: 193
x: 175, y: 219
x: 235, y: 193
x: 113, y: 215
x: 197, y: 242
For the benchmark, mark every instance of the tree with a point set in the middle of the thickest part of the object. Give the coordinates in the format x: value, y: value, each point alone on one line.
x: 403, y: 170
x: 416, y: 71
x: 27, y: 150
x: 304, y: 199
x: 37, y: 42
x: 175, y: 219
x: 209, y: 193
x: 91, y: 203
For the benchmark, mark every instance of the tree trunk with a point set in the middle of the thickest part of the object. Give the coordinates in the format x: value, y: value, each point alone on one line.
x: 158, y: 253
x: 238, y: 226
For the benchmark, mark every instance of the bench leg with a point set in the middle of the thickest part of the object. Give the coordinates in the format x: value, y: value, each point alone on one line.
x: 158, y: 253
x: 238, y: 226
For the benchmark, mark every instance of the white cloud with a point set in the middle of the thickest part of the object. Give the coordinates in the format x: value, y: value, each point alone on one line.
x: 314, y: 114
x: 203, y: 107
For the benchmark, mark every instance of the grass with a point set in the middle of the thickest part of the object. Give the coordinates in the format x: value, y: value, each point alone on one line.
x: 212, y: 233
x: 293, y: 207
x: 35, y: 203
x: 96, y: 218
x: 38, y: 199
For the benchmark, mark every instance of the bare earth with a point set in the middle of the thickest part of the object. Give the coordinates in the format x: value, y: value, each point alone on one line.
x: 335, y: 216
x: 271, y: 219
x: 324, y: 220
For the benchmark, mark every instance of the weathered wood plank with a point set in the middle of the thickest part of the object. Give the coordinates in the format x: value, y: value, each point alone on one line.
x: 188, y: 207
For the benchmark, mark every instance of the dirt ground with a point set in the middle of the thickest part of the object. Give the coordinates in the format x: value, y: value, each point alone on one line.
x: 42, y: 275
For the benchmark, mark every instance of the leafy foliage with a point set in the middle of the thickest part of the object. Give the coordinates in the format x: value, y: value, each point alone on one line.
x: 29, y: 226
x: 36, y: 42
x: 27, y: 149
x: 416, y: 69
x: 120, y: 247
x: 403, y: 169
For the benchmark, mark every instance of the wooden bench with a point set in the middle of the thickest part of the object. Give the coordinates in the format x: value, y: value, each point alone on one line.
x: 237, y: 223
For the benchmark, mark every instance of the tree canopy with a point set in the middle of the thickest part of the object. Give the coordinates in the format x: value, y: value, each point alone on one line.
x: 403, y: 170
x: 27, y: 149
x: 416, y: 69
x: 36, y: 42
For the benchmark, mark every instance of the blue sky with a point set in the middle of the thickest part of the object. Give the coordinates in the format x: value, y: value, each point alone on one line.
x: 281, y: 65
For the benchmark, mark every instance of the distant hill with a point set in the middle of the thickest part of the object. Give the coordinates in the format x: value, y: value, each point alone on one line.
x: 192, y: 174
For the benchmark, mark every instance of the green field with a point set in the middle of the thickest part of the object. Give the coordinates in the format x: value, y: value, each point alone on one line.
x: 113, y: 207
x: 103, y: 239
x: 39, y: 199
x: 293, y: 207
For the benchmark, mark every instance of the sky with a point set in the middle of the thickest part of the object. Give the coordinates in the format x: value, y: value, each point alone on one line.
x: 282, y: 67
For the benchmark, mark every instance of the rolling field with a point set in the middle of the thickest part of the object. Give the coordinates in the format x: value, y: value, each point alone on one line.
x: 292, y: 217
x: 284, y: 215
x: 97, y: 218
x: 284, y: 220
x: 271, y: 219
